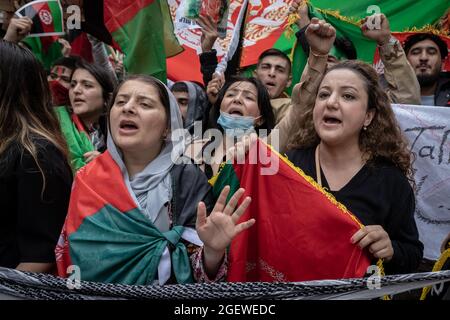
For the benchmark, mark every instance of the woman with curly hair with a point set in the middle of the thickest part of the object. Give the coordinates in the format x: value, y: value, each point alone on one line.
x: 348, y: 140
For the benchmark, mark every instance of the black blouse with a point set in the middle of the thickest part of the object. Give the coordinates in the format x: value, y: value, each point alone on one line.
x: 31, y: 220
x: 379, y: 194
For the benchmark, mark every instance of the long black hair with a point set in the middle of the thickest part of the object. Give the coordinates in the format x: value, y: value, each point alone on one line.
x: 26, y: 112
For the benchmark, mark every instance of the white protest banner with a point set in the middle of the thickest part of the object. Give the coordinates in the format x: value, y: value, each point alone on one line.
x: 428, y: 131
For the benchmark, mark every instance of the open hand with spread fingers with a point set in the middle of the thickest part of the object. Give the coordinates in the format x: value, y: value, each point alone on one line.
x: 209, y: 32
x: 219, y: 228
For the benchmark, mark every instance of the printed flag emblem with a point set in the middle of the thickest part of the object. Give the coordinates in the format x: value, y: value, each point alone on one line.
x: 46, y: 17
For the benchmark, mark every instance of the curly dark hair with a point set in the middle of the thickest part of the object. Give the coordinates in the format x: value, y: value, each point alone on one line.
x: 383, y: 139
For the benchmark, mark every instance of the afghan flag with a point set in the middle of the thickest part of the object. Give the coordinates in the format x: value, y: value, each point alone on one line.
x: 177, y: 68
x: 269, y: 24
x: 46, y: 15
x: 144, y: 32
x: 403, y: 15
x: 80, y: 44
x: 76, y: 137
x: 48, y: 49
x: 107, y: 236
x: 45, y: 49
x: 47, y: 26
x: 301, y: 232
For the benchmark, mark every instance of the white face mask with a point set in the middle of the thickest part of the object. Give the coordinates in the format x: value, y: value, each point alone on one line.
x: 235, y: 125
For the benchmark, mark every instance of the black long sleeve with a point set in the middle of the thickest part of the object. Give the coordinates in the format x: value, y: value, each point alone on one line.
x: 208, y: 64
x: 408, y: 250
x: 33, y: 216
x: 301, y: 38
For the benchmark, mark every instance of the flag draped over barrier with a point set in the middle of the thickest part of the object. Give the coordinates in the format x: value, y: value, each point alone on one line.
x: 279, y: 200
x: 21, y: 285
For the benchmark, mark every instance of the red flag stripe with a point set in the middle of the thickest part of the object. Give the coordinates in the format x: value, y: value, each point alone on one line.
x: 90, y: 193
x: 41, y: 9
x: 118, y: 13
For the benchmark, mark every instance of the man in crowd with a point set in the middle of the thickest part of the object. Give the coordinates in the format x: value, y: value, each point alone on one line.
x: 426, y: 53
x: 399, y: 78
x: 274, y: 71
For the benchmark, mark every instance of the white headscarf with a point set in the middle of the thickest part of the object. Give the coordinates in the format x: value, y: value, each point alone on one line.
x: 152, y: 188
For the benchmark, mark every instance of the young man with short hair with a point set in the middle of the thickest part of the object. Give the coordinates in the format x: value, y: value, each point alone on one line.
x: 274, y: 71
x: 426, y: 53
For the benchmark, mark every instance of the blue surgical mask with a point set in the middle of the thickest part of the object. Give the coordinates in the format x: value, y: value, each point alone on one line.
x: 236, y: 125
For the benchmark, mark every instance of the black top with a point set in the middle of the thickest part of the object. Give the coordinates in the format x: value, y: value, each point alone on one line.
x: 31, y: 221
x: 442, y: 93
x: 379, y: 194
x: 208, y: 64
x: 189, y: 187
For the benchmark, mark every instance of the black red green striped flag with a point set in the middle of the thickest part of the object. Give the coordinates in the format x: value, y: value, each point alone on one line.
x: 144, y: 32
x: 46, y: 15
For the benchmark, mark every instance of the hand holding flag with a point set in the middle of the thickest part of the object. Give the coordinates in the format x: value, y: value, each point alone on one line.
x: 239, y: 151
x: 376, y: 27
x: 300, y: 8
x: 66, y: 47
x: 209, y: 32
x: 46, y: 16
x: 116, y: 59
x: 18, y: 29
x: 214, y: 86
x: 320, y: 36
x: 376, y: 239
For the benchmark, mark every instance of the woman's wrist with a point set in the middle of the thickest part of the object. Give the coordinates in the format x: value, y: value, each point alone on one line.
x: 318, y: 54
x: 212, y: 260
x: 212, y: 255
